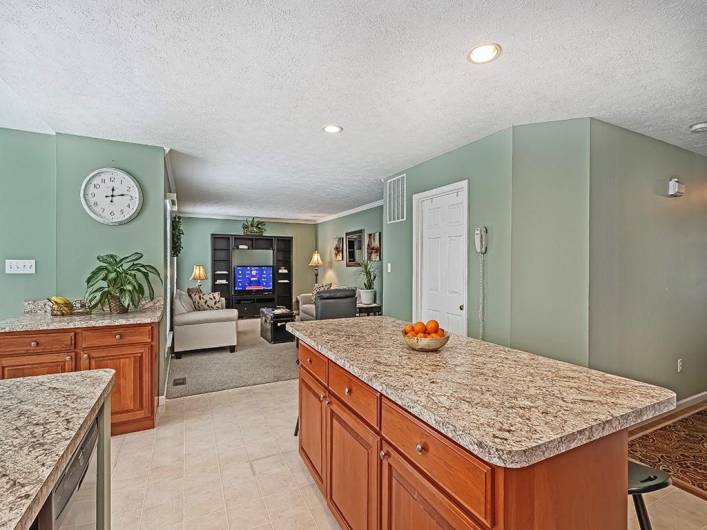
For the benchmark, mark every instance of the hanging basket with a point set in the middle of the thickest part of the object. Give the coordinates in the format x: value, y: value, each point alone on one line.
x: 115, y: 305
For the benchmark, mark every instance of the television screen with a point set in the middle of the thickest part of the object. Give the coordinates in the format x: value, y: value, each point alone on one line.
x: 253, y: 278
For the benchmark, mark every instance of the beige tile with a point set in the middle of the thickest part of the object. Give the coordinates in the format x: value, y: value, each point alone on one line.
x: 287, y: 501
x: 271, y: 483
x: 268, y: 464
x: 244, y: 489
x: 294, y: 521
x: 201, y: 503
x: 216, y: 520
x: 247, y: 515
x: 313, y: 497
x: 687, y: 502
x: 167, y: 472
x: 162, y: 516
x: 164, y: 491
x: 324, y: 519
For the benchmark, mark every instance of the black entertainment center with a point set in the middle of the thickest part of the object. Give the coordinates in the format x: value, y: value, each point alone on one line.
x: 252, y: 272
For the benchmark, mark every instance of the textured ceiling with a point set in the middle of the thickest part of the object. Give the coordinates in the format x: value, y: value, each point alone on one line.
x: 239, y: 90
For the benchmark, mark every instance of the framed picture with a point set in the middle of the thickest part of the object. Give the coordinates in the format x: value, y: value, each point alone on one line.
x: 338, y: 245
x: 373, y: 246
x: 354, y: 248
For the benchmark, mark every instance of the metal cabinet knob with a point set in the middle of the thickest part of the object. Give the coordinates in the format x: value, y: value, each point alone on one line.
x: 327, y: 402
x: 309, y: 360
x: 85, y: 355
x: 419, y: 448
x: 68, y: 357
x: 34, y: 343
x: 347, y: 391
x: 383, y: 454
x: 321, y: 397
x: 118, y: 336
x: 461, y: 307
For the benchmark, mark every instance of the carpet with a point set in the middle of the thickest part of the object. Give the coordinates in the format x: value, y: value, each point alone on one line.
x: 254, y: 362
x: 679, y: 448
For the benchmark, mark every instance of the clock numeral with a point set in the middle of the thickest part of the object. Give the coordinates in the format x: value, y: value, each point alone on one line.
x: 95, y: 203
x: 129, y: 205
x: 112, y: 213
x: 112, y: 179
x: 103, y: 181
x: 96, y: 186
x: 93, y: 194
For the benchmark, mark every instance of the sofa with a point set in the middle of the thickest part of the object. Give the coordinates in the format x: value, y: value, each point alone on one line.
x: 339, y: 302
x: 198, y: 330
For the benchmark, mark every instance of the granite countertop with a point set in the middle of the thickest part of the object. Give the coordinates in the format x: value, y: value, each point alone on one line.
x: 509, y: 407
x: 44, y: 321
x: 42, y: 421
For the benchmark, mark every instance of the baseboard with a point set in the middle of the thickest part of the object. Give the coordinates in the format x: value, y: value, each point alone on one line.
x: 683, y: 408
x: 161, y: 401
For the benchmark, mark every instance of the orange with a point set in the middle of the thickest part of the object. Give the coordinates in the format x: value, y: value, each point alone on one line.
x: 420, y: 327
x: 411, y: 334
x: 442, y: 332
x: 421, y: 335
x: 432, y: 326
x: 408, y: 328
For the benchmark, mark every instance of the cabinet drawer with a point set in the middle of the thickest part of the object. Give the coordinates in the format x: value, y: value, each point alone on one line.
x: 313, y: 361
x: 37, y: 342
x: 115, y: 336
x: 467, y: 479
x: 355, y: 393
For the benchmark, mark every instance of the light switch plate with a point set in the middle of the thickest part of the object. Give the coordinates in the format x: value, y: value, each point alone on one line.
x: 19, y: 266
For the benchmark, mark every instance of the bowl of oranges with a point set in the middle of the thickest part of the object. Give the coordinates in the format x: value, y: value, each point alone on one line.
x: 425, y: 337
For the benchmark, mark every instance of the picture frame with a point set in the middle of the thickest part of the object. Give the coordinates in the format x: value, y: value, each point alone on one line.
x: 373, y: 246
x: 338, y: 248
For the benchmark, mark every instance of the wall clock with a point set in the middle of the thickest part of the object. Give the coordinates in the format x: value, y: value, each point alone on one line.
x: 111, y: 196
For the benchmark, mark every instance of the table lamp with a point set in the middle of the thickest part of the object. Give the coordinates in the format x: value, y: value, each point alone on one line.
x: 198, y: 274
x: 315, y: 262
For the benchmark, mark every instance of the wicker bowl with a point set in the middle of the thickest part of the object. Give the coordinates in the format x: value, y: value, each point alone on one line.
x: 428, y: 344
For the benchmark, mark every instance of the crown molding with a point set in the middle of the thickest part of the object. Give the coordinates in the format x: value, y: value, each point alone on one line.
x: 368, y: 206
x: 244, y: 217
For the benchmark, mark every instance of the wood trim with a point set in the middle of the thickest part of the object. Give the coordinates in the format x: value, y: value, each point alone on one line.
x: 667, y: 418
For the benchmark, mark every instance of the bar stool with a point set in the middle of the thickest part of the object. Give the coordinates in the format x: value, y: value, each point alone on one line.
x: 643, y: 479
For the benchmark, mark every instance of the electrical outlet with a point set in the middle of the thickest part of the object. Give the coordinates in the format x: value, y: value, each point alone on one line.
x: 679, y: 365
x: 19, y: 266
x: 389, y: 267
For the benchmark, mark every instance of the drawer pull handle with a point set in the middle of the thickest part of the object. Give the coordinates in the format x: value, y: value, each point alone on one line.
x: 68, y: 357
x: 383, y: 454
x: 327, y: 402
x: 419, y: 448
x: 347, y: 391
x: 118, y: 336
x: 309, y: 360
x: 321, y: 397
x: 34, y: 343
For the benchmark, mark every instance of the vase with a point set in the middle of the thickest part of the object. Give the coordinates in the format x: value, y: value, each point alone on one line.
x: 115, y: 305
x: 368, y: 296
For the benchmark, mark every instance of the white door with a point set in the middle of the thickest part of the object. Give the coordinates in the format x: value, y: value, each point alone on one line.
x: 440, y: 227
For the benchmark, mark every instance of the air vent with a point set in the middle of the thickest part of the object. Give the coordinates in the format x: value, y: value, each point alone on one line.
x: 395, y: 199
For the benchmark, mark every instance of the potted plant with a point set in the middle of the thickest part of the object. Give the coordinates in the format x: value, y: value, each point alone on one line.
x: 120, y: 283
x: 253, y: 227
x: 368, y: 276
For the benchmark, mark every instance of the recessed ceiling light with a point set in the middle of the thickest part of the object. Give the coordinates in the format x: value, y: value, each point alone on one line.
x: 333, y: 129
x: 484, y: 53
x: 699, y: 127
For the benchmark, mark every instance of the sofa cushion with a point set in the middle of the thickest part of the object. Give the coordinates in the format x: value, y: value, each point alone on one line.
x: 206, y: 301
x: 307, y: 309
x: 206, y: 317
x: 183, y: 303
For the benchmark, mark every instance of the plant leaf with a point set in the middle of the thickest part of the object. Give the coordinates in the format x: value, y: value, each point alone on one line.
x: 131, y: 258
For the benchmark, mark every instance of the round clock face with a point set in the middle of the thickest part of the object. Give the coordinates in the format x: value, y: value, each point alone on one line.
x: 111, y: 196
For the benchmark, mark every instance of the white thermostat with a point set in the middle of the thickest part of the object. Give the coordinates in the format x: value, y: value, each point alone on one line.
x: 675, y: 188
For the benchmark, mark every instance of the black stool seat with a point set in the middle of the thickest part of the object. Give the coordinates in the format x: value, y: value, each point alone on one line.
x: 643, y: 479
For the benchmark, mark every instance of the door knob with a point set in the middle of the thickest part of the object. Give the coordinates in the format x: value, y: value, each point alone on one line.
x: 461, y: 307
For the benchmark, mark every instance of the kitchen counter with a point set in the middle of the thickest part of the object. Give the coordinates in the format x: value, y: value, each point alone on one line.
x: 509, y: 407
x: 44, y: 321
x: 42, y: 421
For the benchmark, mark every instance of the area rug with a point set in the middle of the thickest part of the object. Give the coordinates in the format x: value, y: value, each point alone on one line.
x: 679, y: 448
x: 254, y: 362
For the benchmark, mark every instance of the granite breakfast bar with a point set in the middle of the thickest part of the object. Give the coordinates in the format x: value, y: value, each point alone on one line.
x: 475, y: 436
x: 42, y: 423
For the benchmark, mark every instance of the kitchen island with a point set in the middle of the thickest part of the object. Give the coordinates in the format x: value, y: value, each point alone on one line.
x: 37, y: 343
x: 42, y: 422
x: 475, y: 436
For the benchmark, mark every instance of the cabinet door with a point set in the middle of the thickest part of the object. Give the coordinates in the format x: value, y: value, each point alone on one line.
x: 410, y: 500
x: 312, y: 396
x: 131, y: 397
x: 36, y: 364
x: 352, y: 469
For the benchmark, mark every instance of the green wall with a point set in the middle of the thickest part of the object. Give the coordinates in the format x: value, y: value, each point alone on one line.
x: 27, y: 216
x: 648, y: 263
x: 79, y: 238
x: 550, y: 240
x: 487, y: 165
x: 197, y: 248
x: 337, y: 272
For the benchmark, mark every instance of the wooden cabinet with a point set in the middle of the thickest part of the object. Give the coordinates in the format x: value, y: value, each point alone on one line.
x: 312, y: 426
x: 352, y: 476
x: 130, y: 400
x: 410, y: 500
x: 36, y: 364
x: 130, y: 350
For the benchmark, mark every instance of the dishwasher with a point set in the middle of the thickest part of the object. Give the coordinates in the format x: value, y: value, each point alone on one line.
x: 72, y: 503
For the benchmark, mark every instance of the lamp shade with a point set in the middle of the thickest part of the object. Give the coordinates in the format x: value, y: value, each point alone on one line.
x: 316, y: 260
x: 199, y: 273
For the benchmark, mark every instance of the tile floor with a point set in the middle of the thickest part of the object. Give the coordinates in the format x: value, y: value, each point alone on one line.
x: 228, y: 461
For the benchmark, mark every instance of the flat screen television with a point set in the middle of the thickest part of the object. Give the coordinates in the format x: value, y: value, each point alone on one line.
x: 252, y: 278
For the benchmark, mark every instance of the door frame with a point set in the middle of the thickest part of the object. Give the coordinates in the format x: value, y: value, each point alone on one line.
x: 462, y: 187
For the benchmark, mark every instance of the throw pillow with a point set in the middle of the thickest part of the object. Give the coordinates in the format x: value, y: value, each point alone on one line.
x: 320, y: 287
x: 207, y: 301
x: 191, y: 291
